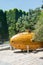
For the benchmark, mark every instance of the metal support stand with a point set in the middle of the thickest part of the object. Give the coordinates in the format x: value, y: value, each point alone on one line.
x: 27, y: 48
x: 11, y: 48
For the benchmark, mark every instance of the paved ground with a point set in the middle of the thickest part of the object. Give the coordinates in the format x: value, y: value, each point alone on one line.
x: 4, y: 46
x: 9, y: 57
x: 16, y: 57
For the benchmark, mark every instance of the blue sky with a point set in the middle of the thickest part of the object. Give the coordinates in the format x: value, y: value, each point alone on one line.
x: 20, y: 4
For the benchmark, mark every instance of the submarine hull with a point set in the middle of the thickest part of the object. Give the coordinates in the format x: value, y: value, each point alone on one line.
x: 23, y: 41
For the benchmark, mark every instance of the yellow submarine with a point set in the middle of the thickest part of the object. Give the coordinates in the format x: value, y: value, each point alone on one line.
x: 25, y: 41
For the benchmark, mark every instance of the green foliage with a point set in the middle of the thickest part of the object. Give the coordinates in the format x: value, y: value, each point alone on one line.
x: 28, y: 21
x: 3, y: 25
x: 15, y: 21
x: 19, y: 25
x: 39, y: 29
x: 12, y: 18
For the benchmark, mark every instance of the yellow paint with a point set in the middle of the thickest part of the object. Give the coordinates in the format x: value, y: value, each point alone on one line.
x: 21, y: 40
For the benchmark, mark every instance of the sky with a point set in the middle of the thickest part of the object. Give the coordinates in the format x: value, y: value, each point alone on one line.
x: 24, y: 5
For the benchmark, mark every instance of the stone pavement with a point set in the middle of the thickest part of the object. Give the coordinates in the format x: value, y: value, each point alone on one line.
x: 9, y: 57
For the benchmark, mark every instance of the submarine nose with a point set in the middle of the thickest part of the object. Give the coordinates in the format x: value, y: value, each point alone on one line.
x: 11, y: 40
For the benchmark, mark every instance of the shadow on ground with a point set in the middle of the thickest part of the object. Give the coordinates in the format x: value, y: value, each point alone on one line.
x: 41, y: 58
x: 23, y: 51
x: 30, y: 51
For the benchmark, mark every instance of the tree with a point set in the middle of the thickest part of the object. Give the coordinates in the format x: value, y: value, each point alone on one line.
x: 28, y: 21
x: 3, y: 26
x: 12, y: 17
x: 19, y: 25
x: 39, y: 29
